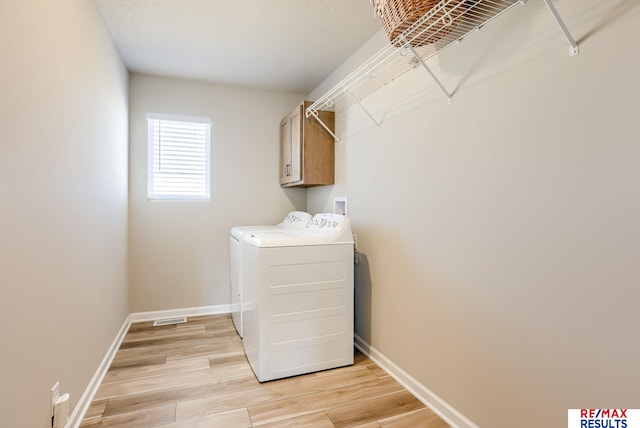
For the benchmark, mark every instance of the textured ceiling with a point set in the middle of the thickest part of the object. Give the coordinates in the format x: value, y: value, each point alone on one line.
x: 273, y: 44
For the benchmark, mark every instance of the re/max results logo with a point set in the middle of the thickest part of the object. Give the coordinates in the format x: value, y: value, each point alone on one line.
x: 604, y: 418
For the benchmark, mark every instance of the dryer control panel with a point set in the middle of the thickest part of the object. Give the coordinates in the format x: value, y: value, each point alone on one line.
x: 297, y: 219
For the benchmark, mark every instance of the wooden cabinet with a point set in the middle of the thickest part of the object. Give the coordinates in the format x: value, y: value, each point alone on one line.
x: 307, y: 151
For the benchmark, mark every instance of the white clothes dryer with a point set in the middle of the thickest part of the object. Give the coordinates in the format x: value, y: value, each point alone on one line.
x: 293, y: 220
x: 298, y: 294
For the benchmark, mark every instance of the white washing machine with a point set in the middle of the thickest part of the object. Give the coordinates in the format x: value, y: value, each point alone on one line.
x: 298, y: 294
x: 293, y: 220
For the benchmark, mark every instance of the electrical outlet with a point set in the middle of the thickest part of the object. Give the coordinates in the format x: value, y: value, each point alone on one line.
x: 55, y: 394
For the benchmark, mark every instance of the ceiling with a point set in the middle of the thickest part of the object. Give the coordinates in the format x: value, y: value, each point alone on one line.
x: 290, y: 45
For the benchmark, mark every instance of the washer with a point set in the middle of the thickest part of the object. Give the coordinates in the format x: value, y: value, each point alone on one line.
x: 298, y: 290
x: 293, y: 220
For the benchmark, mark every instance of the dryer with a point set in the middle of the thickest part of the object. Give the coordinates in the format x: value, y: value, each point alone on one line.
x: 293, y: 220
x: 298, y: 294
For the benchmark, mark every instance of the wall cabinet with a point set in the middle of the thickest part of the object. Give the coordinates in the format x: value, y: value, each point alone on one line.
x: 307, y: 150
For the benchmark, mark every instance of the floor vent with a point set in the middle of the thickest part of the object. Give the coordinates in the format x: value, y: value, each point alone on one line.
x: 170, y: 321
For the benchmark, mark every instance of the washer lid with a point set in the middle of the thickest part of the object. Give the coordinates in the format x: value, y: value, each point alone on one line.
x: 281, y: 238
x: 240, y: 231
x: 293, y: 220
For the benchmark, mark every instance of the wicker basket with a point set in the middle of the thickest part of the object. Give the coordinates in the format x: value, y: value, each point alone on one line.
x: 398, y: 15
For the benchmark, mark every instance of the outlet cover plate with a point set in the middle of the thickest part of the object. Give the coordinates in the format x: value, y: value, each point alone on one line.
x: 55, y: 394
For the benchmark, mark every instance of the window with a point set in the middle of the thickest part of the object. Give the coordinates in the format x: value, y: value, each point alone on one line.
x: 179, y: 151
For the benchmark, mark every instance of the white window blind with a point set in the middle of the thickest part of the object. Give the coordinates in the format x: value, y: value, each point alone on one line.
x: 179, y: 157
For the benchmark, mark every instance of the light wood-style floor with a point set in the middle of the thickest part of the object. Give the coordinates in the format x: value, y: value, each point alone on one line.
x: 196, y: 375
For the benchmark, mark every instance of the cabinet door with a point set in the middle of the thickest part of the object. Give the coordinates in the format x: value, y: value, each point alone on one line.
x: 285, y: 150
x: 291, y: 147
x: 295, y: 171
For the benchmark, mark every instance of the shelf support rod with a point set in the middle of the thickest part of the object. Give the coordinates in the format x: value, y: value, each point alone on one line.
x: 363, y: 108
x: 574, y: 49
x: 315, y: 114
x: 426, y: 67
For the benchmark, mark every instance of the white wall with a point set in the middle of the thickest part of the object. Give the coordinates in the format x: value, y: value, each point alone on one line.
x: 179, y: 251
x: 499, y: 235
x: 63, y: 202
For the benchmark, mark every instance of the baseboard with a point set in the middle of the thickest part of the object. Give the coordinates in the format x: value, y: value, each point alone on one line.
x: 440, y: 407
x: 184, y: 312
x: 85, y: 400
x: 87, y: 396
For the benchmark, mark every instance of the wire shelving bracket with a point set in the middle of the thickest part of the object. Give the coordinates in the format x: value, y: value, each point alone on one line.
x: 403, y: 53
x: 573, y: 46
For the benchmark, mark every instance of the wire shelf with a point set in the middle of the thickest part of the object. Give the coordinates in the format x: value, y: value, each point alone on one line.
x: 403, y: 54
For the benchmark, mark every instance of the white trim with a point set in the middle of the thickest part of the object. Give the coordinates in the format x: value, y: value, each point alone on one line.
x: 87, y: 396
x: 85, y: 400
x: 184, y: 312
x: 178, y: 118
x: 440, y: 407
